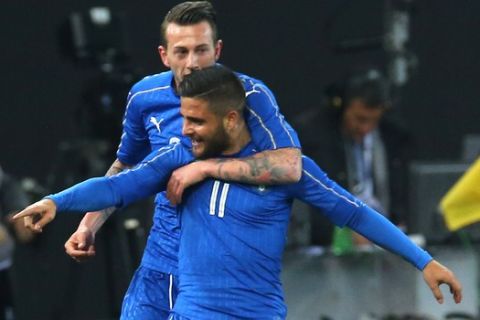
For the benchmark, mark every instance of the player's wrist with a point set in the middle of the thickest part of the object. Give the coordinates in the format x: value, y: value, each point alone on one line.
x: 50, y: 203
x: 87, y: 225
x: 85, y: 229
x: 207, y: 167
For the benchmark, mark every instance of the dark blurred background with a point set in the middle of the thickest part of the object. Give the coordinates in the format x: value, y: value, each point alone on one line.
x: 60, y: 115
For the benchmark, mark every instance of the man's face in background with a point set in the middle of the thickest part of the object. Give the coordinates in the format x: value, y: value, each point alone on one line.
x: 359, y: 119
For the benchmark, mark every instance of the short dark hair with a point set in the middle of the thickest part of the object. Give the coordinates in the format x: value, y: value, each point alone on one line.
x: 370, y: 86
x: 189, y: 13
x: 217, y: 85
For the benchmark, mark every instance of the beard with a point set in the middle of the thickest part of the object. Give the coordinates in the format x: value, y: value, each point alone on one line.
x: 215, y: 145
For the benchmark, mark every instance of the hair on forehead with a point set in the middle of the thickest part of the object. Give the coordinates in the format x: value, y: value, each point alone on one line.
x: 218, y: 86
x: 190, y: 13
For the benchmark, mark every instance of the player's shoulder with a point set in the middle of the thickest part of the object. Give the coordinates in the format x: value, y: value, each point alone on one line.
x: 248, y: 81
x: 176, y: 153
x: 159, y: 81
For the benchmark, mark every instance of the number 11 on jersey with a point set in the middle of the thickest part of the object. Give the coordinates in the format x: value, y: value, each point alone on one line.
x: 214, y: 198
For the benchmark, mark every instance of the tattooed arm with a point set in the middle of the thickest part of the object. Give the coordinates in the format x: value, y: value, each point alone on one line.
x: 268, y: 167
x: 81, y: 244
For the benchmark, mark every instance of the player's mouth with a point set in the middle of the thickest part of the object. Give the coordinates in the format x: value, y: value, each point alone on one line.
x: 196, y: 143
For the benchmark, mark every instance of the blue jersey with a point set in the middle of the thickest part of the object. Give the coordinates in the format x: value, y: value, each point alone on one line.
x: 233, y: 237
x: 233, y: 234
x: 152, y: 120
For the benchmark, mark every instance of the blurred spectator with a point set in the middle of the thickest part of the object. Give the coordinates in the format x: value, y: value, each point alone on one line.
x: 12, y: 199
x: 354, y: 141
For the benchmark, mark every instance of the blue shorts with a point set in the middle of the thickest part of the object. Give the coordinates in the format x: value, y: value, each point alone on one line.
x: 150, y: 296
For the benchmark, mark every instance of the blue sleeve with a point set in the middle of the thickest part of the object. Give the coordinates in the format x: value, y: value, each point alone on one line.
x: 382, y: 232
x: 343, y: 209
x: 316, y: 189
x: 90, y: 195
x: 152, y: 174
x: 146, y: 179
x: 134, y: 143
x: 267, y: 125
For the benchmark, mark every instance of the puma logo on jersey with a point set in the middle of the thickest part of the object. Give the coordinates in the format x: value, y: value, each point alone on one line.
x: 156, y: 123
x: 251, y: 91
x: 262, y: 188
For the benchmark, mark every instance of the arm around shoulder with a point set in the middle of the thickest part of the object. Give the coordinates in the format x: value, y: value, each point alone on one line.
x: 269, y: 167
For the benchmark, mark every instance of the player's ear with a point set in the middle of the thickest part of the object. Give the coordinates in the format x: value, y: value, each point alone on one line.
x: 162, y: 51
x: 231, y: 119
x: 218, y: 49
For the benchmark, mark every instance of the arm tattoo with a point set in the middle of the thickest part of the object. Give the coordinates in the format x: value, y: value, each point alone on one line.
x: 114, y: 169
x: 263, y: 168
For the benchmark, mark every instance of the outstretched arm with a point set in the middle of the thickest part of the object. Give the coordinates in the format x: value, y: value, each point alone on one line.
x: 94, y: 220
x: 146, y: 179
x: 269, y: 167
x: 343, y: 209
x: 81, y: 244
x: 91, y: 194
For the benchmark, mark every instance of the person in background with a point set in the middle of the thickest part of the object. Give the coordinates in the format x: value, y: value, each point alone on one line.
x: 12, y: 200
x: 359, y: 146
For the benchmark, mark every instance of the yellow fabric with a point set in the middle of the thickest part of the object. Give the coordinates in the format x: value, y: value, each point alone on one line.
x: 461, y: 205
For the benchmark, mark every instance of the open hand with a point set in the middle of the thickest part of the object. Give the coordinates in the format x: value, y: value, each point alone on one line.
x: 436, y: 274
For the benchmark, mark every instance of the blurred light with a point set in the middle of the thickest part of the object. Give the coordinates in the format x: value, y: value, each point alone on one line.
x: 100, y: 15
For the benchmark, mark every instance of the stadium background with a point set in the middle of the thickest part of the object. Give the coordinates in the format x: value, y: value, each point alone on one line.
x: 47, y: 101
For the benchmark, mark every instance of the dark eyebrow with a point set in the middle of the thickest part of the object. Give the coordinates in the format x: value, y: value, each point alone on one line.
x: 179, y: 48
x: 193, y: 118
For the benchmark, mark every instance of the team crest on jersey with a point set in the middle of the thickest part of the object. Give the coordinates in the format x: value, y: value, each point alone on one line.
x: 174, y: 140
x: 261, y: 188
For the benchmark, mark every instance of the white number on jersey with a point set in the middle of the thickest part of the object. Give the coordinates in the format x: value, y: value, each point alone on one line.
x: 214, y: 198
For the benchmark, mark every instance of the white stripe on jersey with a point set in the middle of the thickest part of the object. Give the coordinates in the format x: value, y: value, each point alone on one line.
x: 142, y: 92
x: 272, y: 102
x: 170, y: 292
x: 130, y: 101
x: 223, y: 199
x: 162, y: 151
x: 264, y: 127
x: 213, y: 197
x: 330, y: 189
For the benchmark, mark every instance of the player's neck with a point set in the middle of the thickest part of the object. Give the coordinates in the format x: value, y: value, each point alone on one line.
x: 239, y: 138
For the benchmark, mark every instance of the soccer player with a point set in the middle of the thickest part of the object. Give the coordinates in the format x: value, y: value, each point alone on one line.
x: 233, y: 234
x: 152, y: 120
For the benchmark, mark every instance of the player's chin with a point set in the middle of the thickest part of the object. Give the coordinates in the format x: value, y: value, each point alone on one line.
x: 198, y: 151
x: 186, y: 73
